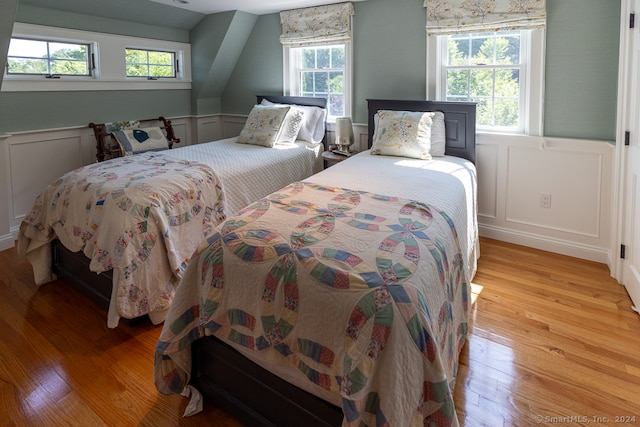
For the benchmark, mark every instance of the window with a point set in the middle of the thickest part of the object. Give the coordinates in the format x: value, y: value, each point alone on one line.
x: 320, y: 71
x: 76, y: 60
x: 487, y: 69
x: 500, y: 71
x: 317, y: 55
x: 48, y: 58
x: 150, y: 64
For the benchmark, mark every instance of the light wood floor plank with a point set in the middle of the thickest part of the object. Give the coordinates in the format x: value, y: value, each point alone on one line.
x: 552, y: 337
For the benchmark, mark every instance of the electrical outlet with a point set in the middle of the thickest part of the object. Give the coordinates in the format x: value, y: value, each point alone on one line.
x: 545, y: 200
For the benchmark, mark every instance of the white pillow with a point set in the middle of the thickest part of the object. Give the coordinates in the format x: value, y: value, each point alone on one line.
x: 438, y: 135
x: 403, y: 134
x: 291, y: 126
x: 263, y: 126
x: 134, y: 141
x: 313, y: 124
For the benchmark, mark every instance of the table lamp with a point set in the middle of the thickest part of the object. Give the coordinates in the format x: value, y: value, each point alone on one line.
x: 344, y: 135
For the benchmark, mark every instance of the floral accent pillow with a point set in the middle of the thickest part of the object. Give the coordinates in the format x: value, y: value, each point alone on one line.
x: 263, y: 126
x: 403, y: 134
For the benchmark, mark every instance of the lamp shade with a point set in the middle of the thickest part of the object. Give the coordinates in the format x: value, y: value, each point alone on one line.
x: 344, y: 132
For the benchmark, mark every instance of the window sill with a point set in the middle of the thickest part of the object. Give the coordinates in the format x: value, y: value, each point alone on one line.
x: 74, y: 84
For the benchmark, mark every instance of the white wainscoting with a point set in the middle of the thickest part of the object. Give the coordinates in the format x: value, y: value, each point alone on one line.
x: 512, y: 171
x: 32, y: 160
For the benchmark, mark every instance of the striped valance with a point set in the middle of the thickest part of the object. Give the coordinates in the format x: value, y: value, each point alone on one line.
x: 476, y: 16
x: 318, y: 25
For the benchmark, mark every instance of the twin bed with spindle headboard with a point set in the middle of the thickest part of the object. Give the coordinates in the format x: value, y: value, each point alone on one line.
x: 122, y: 231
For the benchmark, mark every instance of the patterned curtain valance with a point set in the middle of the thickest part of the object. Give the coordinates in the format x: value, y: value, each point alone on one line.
x: 316, y: 25
x: 476, y: 16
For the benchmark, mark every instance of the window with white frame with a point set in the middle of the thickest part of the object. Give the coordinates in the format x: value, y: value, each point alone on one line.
x: 321, y: 71
x: 490, y: 53
x: 317, y: 55
x: 488, y: 69
x: 150, y: 64
x: 48, y: 58
x: 77, y: 60
x: 502, y: 72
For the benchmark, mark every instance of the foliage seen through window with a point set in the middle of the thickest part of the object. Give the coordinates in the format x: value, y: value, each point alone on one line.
x: 49, y: 58
x: 322, y: 75
x: 486, y: 68
x: 150, y: 63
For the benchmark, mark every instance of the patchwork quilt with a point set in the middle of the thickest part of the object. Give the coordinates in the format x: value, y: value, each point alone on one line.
x: 362, y: 295
x: 142, y: 216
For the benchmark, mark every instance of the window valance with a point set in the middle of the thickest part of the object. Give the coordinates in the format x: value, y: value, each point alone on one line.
x: 476, y: 16
x: 317, y: 25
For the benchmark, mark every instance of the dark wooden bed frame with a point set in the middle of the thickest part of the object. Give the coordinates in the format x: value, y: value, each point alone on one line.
x: 73, y: 267
x: 255, y: 396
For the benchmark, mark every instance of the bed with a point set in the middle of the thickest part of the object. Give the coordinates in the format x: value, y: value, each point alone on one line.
x: 342, y: 299
x: 122, y: 231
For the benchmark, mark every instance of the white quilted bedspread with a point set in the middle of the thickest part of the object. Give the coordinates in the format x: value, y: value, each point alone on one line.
x: 250, y: 172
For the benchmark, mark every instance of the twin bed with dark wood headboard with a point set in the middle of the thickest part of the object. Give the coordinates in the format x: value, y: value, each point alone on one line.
x: 344, y: 296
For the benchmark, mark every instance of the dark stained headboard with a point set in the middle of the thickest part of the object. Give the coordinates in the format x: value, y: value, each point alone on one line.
x: 459, y: 117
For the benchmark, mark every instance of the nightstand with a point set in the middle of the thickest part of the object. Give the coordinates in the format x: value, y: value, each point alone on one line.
x: 332, y: 158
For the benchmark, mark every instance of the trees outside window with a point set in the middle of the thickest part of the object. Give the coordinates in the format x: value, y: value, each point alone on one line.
x: 150, y: 63
x: 323, y: 72
x: 487, y: 68
x: 48, y: 58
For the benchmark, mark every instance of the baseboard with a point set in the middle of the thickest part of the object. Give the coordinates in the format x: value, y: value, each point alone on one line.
x: 7, y: 241
x: 560, y: 246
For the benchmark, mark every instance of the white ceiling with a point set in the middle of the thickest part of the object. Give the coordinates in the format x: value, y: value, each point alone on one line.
x: 257, y: 7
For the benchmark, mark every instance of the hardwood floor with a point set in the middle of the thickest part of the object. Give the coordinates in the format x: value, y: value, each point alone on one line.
x: 553, y: 341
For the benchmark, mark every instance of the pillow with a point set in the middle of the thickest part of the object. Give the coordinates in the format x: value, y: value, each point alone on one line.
x: 438, y: 135
x: 313, y: 124
x: 263, y: 126
x: 403, y: 134
x: 111, y: 145
x: 134, y: 141
x: 291, y: 126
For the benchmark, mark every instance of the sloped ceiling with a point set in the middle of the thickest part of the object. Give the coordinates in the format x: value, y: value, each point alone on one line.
x: 256, y: 7
x: 170, y: 13
x: 140, y: 11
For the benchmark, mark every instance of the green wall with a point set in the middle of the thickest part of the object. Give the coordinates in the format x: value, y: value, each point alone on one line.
x: 216, y: 44
x: 390, y: 62
x: 581, y: 74
x: 389, y: 52
x: 23, y: 111
x: 259, y: 67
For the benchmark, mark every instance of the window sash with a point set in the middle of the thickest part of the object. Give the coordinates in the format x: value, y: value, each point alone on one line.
x: 147, y: 65
x: 338, y: 103
x: 531, y: 79
x: 49, y: 60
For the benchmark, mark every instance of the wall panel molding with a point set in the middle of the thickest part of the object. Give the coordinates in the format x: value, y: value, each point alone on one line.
x: 581, y: 170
